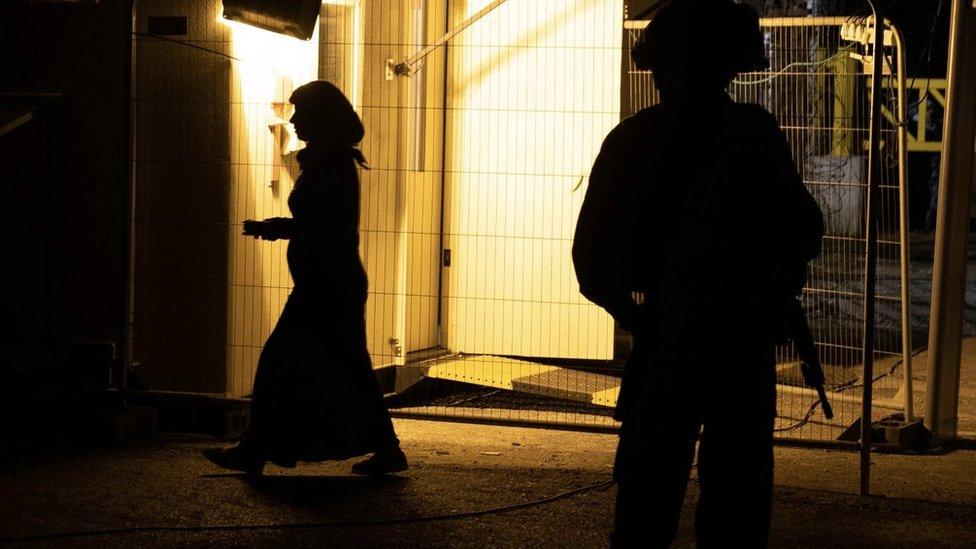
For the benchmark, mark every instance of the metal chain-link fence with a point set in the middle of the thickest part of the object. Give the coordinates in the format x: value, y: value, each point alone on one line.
x: 479, y: 163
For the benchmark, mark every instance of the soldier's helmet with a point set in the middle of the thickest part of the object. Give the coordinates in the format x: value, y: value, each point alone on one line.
x: 701, y: 39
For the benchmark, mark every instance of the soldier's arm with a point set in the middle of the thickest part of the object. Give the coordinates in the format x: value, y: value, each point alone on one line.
x: 800, y: 221
x: 807, y: 224
x: 601, y: 241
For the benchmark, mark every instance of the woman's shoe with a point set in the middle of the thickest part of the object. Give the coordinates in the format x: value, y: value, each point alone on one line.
x: 383, y: 462
x: 235, y: 459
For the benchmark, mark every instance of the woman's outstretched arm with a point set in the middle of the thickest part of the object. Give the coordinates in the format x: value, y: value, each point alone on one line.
x: 273, y: 228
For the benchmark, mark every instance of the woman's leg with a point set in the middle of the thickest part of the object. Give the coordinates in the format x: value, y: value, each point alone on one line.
x: 262, y: 437
x: 387, y: 457
x: 367, y: 386
x: 270, y: 397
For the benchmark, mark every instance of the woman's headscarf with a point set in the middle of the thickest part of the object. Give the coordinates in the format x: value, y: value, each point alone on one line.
x: 335, y: 124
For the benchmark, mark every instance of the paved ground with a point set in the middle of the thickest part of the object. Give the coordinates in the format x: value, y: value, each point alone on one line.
x: 474, y: 486
x: 921, y: 501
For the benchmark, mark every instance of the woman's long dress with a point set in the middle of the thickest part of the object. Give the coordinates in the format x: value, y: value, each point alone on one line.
x: 315, y: 394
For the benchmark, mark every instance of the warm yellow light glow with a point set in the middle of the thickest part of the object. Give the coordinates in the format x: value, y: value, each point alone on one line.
x: 528, y: 114
x: 536, y: 87
x: 270, y: 66
x: 356, y: 93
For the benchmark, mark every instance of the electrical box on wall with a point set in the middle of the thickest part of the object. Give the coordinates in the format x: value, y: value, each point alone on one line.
x: 166, y: 26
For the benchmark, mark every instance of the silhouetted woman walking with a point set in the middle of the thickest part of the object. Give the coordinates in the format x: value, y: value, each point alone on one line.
x: 315, y: 395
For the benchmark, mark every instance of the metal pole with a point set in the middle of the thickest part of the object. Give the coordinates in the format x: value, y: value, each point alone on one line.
x: 419, y: 106
x: 128, y: 313
x: 445, y: 91
x: 406, y: 67
x: 401, y: 210
x: 952, y: 225
x: 906, y: 328
x: 871, y: 250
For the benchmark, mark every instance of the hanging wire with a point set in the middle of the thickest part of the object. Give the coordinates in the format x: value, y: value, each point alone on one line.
x: 185, y: 43
x: 786, y: 69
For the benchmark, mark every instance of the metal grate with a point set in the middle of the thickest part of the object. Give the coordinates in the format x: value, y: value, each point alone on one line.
x: 818, y: 88
x: 480, y: 160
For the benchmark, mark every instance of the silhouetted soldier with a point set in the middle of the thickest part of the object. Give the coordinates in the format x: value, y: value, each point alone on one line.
x: 695, y: 209
x: 315, y: 394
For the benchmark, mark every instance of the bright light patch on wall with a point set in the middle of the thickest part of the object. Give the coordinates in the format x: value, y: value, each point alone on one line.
x: 356, y: 95
x: 267, y: 60
x: 263, y: 173
x: 535, y: 88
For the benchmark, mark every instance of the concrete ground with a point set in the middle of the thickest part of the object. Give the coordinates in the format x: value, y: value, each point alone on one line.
x: 919, y: 501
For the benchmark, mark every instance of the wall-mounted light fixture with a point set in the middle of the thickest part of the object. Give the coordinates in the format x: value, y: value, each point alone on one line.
x: 290, y: 17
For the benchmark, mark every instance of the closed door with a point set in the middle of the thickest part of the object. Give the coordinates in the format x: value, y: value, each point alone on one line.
x: 533, y: 88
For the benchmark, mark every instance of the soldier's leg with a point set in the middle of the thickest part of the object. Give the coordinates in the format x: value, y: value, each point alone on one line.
x: 735, y: 455
x: 652, y: 466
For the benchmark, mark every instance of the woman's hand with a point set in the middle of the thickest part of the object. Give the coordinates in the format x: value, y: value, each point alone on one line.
x: 273, y: 228
x: 252, y: 227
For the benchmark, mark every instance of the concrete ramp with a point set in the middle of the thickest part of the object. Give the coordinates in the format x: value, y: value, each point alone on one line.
x: 527, y: 377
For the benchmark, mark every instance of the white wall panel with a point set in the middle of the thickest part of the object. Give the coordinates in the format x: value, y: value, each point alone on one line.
x: 534, y: 88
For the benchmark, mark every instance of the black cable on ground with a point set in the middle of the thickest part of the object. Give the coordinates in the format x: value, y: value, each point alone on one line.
x: 809, y: 415
x: 855, y: 384
x: 305, y: 525
x: 803, y: 421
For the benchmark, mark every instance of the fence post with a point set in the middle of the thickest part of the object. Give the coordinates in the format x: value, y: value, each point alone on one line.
x: 871, y: 250
x: 952, y: 225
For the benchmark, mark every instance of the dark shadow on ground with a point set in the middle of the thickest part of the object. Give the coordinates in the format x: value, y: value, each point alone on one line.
x: 321, y: 491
